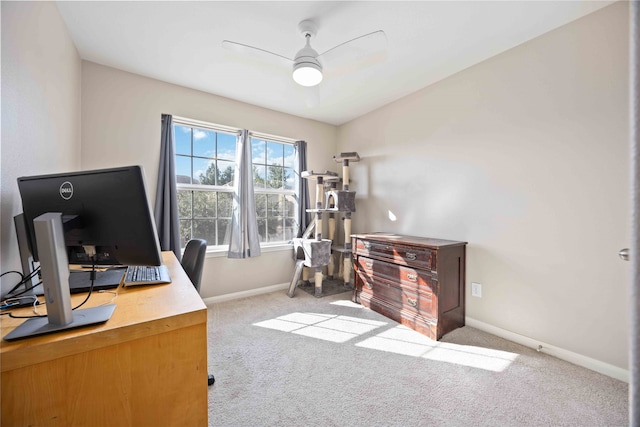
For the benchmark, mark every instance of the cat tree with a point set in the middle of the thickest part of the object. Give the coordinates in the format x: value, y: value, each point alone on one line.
x: 319, y: 252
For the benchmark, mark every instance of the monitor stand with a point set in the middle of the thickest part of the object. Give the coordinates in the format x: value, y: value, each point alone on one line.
x: 25, y: 254
x: 54, y: 266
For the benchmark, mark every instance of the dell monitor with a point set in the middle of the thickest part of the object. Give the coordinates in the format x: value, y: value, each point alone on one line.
x: 107, y: 209
x: 97, y: 213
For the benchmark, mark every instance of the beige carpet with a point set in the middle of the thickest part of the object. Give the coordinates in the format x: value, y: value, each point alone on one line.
x: 307, y: 361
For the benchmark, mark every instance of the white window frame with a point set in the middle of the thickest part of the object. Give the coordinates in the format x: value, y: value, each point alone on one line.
x: 293, y: 192
x: 221, y: 250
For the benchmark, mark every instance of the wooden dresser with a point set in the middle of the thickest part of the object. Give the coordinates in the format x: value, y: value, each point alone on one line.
x: 416, y: 281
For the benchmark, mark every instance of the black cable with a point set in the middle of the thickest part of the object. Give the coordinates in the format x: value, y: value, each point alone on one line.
x: 22, y: 280
x: 26, y: 290
x: 13, y: 271
x: 25, y: 279
x: 92, y: 275
x: 35, y: 302
x: 13, y: 316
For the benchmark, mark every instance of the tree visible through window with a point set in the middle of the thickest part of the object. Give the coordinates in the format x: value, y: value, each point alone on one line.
x: 205, y: 164
x: 273, y: 183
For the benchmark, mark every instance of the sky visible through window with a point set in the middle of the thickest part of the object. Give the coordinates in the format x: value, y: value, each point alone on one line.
x: 273, y: 164
x: 205, y: 168
x: 208, y: 148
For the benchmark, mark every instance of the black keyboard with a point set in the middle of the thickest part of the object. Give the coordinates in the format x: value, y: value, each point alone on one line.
x: 146, y: 275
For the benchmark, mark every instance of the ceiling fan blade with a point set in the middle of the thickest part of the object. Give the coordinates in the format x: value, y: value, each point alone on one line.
x: 355, y: 54
x: 363, y: 45
x: 255, y: 52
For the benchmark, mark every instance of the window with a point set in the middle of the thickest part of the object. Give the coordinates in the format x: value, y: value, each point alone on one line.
x: 274, y: 187
x: 205, y: 164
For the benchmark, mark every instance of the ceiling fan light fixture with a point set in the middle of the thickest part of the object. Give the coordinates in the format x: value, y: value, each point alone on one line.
x: 307, y: 73
x: 307, y: 68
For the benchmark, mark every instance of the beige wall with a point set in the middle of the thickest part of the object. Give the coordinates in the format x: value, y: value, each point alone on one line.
x: 121, y: 125
x: 41, y: 72
x: 526, y: 157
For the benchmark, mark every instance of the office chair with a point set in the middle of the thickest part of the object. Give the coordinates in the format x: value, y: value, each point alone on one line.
x: 193, y: 260
x: 192, y: 263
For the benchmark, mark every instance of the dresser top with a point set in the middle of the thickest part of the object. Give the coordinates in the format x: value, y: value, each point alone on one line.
x: 409, y: 240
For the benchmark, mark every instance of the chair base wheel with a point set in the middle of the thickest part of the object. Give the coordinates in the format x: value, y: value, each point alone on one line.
x: 211, y: 379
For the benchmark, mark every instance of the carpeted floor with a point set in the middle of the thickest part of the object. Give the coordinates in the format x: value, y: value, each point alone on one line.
x: 307, y: 361
x: 329, y: 287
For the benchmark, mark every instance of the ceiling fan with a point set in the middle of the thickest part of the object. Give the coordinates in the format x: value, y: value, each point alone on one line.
x: 307, y: 64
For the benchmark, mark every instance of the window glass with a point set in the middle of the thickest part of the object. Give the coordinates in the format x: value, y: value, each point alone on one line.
x: 186, y: 231
x: 259, y: 176
x: 185, y: 205
x: 275, y: 175
x: 262, y: 229
x: 274, y: 180
x: 183, y: 169
x: 225, y: 174
x: 204, y: 143
x: 205, y: 168
x: 204, y: 171
x: 258, y: 150
x: 290, y: 206
x: 289, y: 156
x: 275, y: 229
x: 275, y: 153
x: 227, y: 146
x: 182, y: 138
x: 225, y: 204
x: 205, y: 229
x: 289, y: 179
x: 290, y: 228
x: 261, y: 205
x: 204, y: 204
x: 224, y: 225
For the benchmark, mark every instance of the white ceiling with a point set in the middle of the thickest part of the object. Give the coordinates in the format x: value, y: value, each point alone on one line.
x: 180, y: 42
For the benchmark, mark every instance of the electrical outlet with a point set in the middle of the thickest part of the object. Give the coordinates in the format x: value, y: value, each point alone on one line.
x: 476, y: 290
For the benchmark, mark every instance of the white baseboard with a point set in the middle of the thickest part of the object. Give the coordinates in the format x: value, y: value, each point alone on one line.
x: 245, y: 294
x: 560, y: 353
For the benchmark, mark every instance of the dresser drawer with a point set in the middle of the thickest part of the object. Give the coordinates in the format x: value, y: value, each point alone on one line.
x: 394, y: 296
x: 417, y: 281
x: 408, y: 278
x: 421, y: 258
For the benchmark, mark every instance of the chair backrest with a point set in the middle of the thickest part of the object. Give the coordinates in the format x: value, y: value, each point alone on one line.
x: 193, y: 260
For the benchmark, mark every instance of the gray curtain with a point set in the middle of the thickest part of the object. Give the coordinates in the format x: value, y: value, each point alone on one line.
x: 244, y: 241
x: 166, y: 207
x: 303, y: 217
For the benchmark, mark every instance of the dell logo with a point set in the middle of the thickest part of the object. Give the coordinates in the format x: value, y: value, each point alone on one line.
x: 66, y: 190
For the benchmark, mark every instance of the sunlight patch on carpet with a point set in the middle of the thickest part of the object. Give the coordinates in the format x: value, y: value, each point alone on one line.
x: 402, y: 340
x: 328, y: 327
x: 347, y: 303
x: 399, y: 339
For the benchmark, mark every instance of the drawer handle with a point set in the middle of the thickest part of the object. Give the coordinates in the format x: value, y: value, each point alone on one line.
x: 367, y: 245
x: 411, y: 256
x: 368, y: 264
x: 412, y: 277
x: 412, y: 302
x: 368, y: 285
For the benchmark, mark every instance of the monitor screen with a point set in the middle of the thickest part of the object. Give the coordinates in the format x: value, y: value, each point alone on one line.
x: 106, y: 208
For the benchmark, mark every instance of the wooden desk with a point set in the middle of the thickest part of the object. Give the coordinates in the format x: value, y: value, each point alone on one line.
x: 146, y: 366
